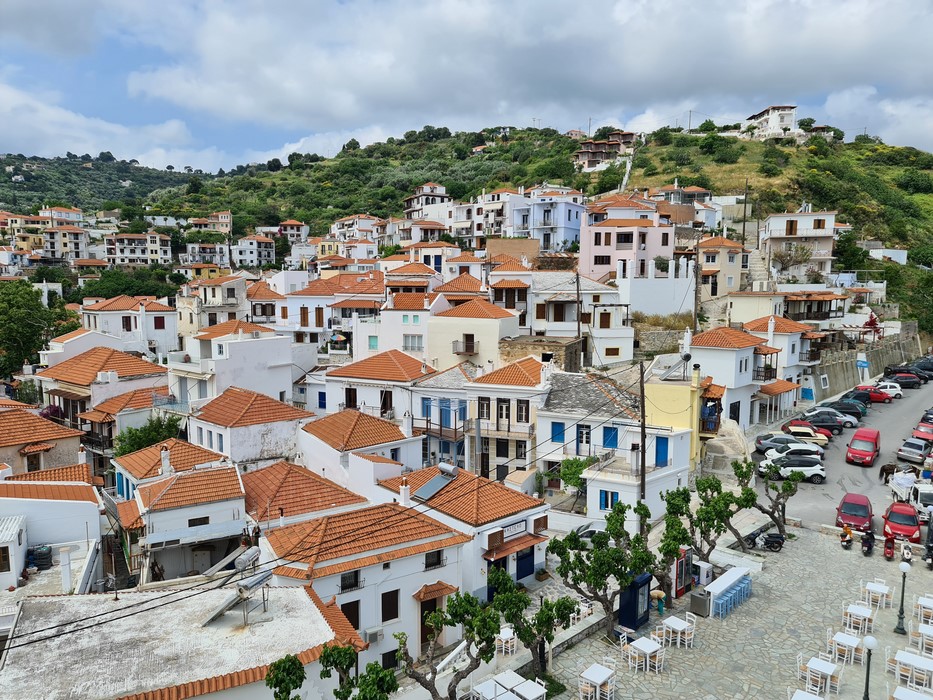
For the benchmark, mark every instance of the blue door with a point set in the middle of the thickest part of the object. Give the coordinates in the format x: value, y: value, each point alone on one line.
x: 120, y: 485
x: 445, y: 413
x: 610, y: 438
x: 525, y: 563
x: 660, y: 451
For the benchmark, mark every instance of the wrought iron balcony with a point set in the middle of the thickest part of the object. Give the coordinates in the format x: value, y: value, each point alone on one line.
x: 764, y: 374
x: 436, y: 564
x: 352, y: 585
x: 811, y: 355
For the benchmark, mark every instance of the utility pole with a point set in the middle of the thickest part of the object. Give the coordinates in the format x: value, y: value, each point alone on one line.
x: 642, y: 526
x: 579, y: 301
x: 589, y: 127
x: 697, y: 283
x: 744, y: 212
x: 689, y: 120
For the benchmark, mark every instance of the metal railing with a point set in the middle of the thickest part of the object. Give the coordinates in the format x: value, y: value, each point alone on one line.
x: 436, y: 564
x: 97, y: 442
x: 352, y: 585
x: 764, y: 374
x: 454, y: 432
x: 502, y: 426
x: 811, y: 355
x: 464, y: 347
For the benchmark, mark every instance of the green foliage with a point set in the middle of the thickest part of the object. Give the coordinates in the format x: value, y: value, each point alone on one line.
x: 28, y: 392
x: 284, y: 676
x: 376, y: 683
x: 786, y: 258
x: 142, y: 282
x: 571, y: 470
x: 778, y: 491
x: 156, y: 429
x: 602, y: 133
x: 711, y: 517
x: 641, y: 161
x: 806, y: 123
x: 25, y: 325
x: 661, y: 264
x: 610, y: 178
x: 914, y: 182
x: 662, y: 137
x: 708, y: 126
x: 849, y: 256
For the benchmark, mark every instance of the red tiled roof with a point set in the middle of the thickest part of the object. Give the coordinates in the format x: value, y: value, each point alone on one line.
x: 781, y: 325
x: 351, y: 430
x: 432, y: 591
x: 718, y: 242
x: 261, y: 291
x: 138, y: 398
x: 477, y: 308
x: 192, y: 488
x: 526, y: 372
x: 415, y: 268
x: 36, y: 447
x: 232, y: 327
x: 465, y: 258
x: 617, y: 223
x: 48, y: 491
x: 464, y: 283
x: 145, y: 463
x: 20, y: 427
x: 724, y: 337
x: 289, y: 489
x: 412, y: 301
x: 237, y: 407
x: 73, y: 472
x: 128, y: 515
x: 391, y: 366
x: 128, y: 303
x: 70, y: 336
x: 778, y: 386
x: 511, y: 266
x: 510, y: 284
x: 82, y: 369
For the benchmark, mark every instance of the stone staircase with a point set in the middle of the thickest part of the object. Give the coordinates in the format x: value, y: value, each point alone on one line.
x: 757, y: 269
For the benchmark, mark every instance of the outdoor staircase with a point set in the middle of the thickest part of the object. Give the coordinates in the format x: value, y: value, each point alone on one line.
x: 757, y: 269
x: 122, y: 573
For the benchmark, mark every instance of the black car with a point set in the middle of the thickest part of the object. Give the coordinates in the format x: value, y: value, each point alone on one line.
x: 902, y: 369
x: 847, y: 408
x: 856, y: 395
x: 924, y: 363
x: 907, y: 381
x: 922, y: 373
x: 826, y: 421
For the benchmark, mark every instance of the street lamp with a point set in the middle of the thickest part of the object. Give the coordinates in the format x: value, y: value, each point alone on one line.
x: 905, y: 567
x: 870, y: 644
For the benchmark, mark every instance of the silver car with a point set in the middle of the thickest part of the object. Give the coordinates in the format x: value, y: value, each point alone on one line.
x: 914, y: 450
x: 803, y: 449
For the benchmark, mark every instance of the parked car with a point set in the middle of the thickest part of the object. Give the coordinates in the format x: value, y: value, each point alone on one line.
x: 864, y: 447
x: 855, y: 511
x: 927, y: 416
x: 920, y: 372
x: 923, y: 431
x: 806, y: 434
x: 848, y: 421
x: 925, y: 363
x: 587, y: 531
x: 914, y: 450
x: 907, y: 381
x: 875, y: 395
x: 854, y: 408
x: 901, y: 522
x: 804, y: 448
x: 901, y: 369
x: 768, y: 441
x: 825, y: 421
x: 797, y: 422
x: 892, y: 389
x: 811, y: 467
x: 857, y: 395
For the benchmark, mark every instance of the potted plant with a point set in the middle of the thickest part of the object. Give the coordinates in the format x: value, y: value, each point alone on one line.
x: 541, y: 574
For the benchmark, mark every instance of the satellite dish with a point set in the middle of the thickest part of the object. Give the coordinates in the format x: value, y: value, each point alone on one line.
x: 686, y: 357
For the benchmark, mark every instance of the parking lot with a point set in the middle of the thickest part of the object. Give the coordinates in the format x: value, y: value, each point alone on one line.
x: 816, y: 504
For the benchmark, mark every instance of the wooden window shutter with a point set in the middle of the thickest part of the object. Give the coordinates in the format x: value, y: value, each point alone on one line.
x: 285, y: 312
x: 541, y: 312
x: 495, y: 540
x: 540, y: 524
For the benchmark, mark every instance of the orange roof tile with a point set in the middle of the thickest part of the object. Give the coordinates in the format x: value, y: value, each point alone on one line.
x: 412, y: 301
x: 778, y: 386
x: 724, y: 337
x: 145, y: 463
x: 289, y: 489
x: 316, y: 288
x: 192, y: 488
x: 469, y: 498
x: 781, y: 325
x: 72, y: 472
x: 510, y: 284
x: 291, y: 222
x: 128, y: 303
x: 89, y: 262
x: 261, y: 291
x: 357, y: 304
x: 616, y: 223
x: 432, y: 591
x: 415, y: 268
x: 258, y: 239
x: 526, y: 372
x: 138, y: 398
x: 514, y: 545
x: 20, y: 427
x: 237, y: 407
x: 464, y: 283
x: 397, y: 257
x: 70, y: 336
x: 391, y: 365
x: 407, y: 282
x: 766, y: 350
x: 351, y: 430
x: 477, y: 308
x: 465, y: 258
x: 511, y: 266
x: 378, y: 459
x: 82, y: 369
x: 48, y: 491
x: 232, y: 327
x: 128, y: 515
x: 95, y: 416
x: 217, y: 281
x: 10, y: 403
x: 714, y: 391
x: 36, y: 447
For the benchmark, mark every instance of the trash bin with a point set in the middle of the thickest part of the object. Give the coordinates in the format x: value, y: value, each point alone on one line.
x: 699, y: 603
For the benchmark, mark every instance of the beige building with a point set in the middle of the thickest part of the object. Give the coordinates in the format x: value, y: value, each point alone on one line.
x: 747, y: 306
x: 469, y: 331
x: 724, y: 267
x: 29, y: 443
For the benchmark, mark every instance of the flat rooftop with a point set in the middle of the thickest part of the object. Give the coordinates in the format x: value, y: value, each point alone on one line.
x: 154, y: 649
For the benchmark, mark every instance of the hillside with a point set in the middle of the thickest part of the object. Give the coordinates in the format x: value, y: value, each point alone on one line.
x: 81, y: 181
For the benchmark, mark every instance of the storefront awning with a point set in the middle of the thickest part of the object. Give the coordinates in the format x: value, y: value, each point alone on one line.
x: 512, y: 546
x: 431, y: 591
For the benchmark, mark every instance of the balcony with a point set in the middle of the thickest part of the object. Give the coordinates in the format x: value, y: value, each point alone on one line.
x: 501, y: 428
x: 452, y: 433
x: 436, y: 564
x: 821, y: 315
x: 710, y: 426
x: 810, y: 356
x: 96, y: 442
x: 347, y: 586
x: 764, y: 374
x: 171, y: 404
x: 464, y: 347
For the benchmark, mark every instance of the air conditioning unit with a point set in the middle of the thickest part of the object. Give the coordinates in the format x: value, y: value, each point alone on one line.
x: 373, y: 634
x: 256, y: 334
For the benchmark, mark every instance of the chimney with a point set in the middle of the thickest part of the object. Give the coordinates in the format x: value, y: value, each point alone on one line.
x: 281, y: 517
x: 771, y: 331
x: 688, y: 339
x: 64, y: 557
x: 696, y: 375
x: 406, y: 424
x: 405, y: 492
x: 166, y: 467
x: 82, y: 455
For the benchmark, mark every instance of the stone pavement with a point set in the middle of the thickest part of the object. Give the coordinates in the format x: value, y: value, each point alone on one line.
x: 752, y: 652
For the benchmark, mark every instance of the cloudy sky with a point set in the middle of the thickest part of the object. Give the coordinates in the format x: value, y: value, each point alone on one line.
x: 214, y: 83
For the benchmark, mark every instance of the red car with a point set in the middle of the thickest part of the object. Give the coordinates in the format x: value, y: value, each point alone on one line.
x: 923, y: 431
x: 901, y: 522
x: 807, y: 424
x: 855, y: 511
x: 875, y: 394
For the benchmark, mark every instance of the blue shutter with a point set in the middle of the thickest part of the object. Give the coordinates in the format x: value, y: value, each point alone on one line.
x: 445, y: 413
x: 120, y: 485
x: 610, y: 437
x: 660, y: 451
x: 463, y: 411
x: 557, y: 432
x: 425, y: 407
x: 603, y: 500
x: 614, y: 498
x: 322, y: 399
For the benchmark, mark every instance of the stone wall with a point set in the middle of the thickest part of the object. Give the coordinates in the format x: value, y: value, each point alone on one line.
x: 566, y: 352
x: 657, y: 341
x: 516, y: 247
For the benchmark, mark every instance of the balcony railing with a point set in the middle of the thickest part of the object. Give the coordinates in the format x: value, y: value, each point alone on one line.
x: 710, y: 426
x: 503, y: 426
x: 97, y: 442
x: 764, y: 374
x: 464, y: 347
x: 454, y: 432
x: 436, y: 564
x: 810, y: 356
x: 352, y: 585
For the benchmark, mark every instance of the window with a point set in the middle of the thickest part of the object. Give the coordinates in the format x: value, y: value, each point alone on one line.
x: 390, y: 605
x: 731, y: 258
x: 395, y: 454
x: 433, y: 560
x: 210, y: 439
x: 665, y: 238
x: 601, y: 260
x: 793, y: 348
x: 557, y: 432
x: 541, y: 312
x: 730, y: 281
x: 284, y: 312
x: 231, y: 293
x: 623, y: 239
x: 220, y: 442
x: 195, y: 522
x: 350, y: 581
x: 405, y: 319
x: 521, y: 449
x: 612, y: 352
x: 607, y: 499
x: 598, y: 238
x: 374, y: 342
x: 819, y: 223
x: 220, y: 349
x: 322, y: 399
x: 483, y: 404
x: 351, y: 610
x: 502, y: 447
x: 389, y: 660
x: 710, y: 258
x: 522, y: 410
x: 200, y: 435
x: 4, y: 558
x: 610, y: 437
x: 583, y: 434
x: 415, y: 319
x: 413, y: 342
x: 159, y: 323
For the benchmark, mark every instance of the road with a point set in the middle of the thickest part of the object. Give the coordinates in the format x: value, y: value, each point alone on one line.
x: 816, y: 504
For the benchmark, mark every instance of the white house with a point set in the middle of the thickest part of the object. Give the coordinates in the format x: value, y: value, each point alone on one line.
x: 402, y: 322
x: 143, y: 323
x: 146, y: 464
x: 206, y: 253
x: 139, y: 249
x: 469, y: 331
x: 254, y: 251
x: 441, y: 410
x: 66, y: 346
x: 794, y: 363
x: 813, y: 231
x: 776, y: 121
x: 208, y: 302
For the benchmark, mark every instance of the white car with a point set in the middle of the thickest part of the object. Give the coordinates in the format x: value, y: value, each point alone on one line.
x: 892, y: 389
x: 791, y: 450
x: 811, y: 468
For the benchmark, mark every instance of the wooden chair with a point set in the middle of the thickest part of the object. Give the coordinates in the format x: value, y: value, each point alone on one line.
x: 840, y: 652
x: 609, y: 662
x: 655, y: 638
x: 890, y: 664
x: 607, y: 691
x: 904, y: 672
x: 825, y: 656
x: 835, y: 681
x: 687, y: 636
x: 656, y: 661
x: 889, y: 597
x: 913, y: 637
x: 920, y: 679
x: 587, y: 690
x: 816, y: 682
x: 801, y: 667
x: 665, y: 634
x: 691, y: 619
x: 506, y: 642
x: 829, y: 639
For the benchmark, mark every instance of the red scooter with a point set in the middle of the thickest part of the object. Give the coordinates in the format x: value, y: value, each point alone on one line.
x: 889, y: 548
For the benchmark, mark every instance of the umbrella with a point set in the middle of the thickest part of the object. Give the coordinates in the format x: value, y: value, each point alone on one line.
x: 337, y: 338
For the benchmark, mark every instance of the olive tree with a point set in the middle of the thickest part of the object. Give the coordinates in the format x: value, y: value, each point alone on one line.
x: 778, y: 491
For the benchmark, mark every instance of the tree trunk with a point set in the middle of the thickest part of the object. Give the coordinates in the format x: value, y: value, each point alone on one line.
x: 738, y: 537
x: 772, y: 514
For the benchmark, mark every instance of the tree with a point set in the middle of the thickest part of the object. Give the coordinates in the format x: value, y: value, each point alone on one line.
x: 806, y: 123
x: 789, y: 257
x: 351, y: 145
x: 602, y: 570
x: 778, y: 491
x: 156, y: 429
x: 571, y: 473
x: 674, y: 537
x: 713, y: 515
x: 284, y: 676
x: 188, y: 169
x: 376, y: 683
x: 106, y: 157
x: 24, y: 325
x: 535, y: 630
x: 708, y: 126
x: 195, y: 185
x: 480, y: 625
x: 170, y: 168
x: 274, y: 165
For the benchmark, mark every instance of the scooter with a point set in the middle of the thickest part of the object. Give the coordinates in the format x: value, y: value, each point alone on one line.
x: 868, y: 543
x: 889, y: 548
x: 928, y: 557
x: 845, y: 540
x: 773, y: 541
x: 906, y: 552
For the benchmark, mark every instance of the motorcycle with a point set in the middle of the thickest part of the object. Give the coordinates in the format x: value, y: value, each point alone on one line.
x: 868, y: 544
x: 773, y: 541
x: 906, y: 552
x: 889, y: 548
x: 845, y: 540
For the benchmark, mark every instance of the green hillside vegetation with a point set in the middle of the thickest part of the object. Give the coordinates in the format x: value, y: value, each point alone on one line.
x: 90, y: 183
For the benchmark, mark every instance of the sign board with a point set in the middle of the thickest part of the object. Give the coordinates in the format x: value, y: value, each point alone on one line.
x: 514, y: 529
x: 861, y: 364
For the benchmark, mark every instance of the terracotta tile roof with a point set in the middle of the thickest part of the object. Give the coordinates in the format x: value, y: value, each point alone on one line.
x: 69, y: 336
x: 261, y: 291
x: 766, y: 350
x: 724, y: 337
x: 714, y: 391
x: 316, y: 288
x: 511, y: 266
x: 781, y: 325
x: 48, y: 491
x: 464, y: 283
x: 778, y: 386
x: 258, y: 239
x: 512, y: 546
x: 431, y: 591
x: 477, y: 308
x: 138, y: 398
x: 82, y: 369
x: 718, y: 242
x: 616, y: 223
x: 378, y: 459
x: 407, y: 282
x: 469, y: 498
x: 36, y: 447
x: 351, y: 430
x: 289, y: 489
x: 10, y: 403
x: 218, y: 281
x: 238, y: 407
x: 465, y: 258
x: 95, y: 416
x: 388, y: 527
x: 526, y: 372
x: 396, y: 257
x: 145, y: 463
x: 391, y: 365
x: 128, y: 303
x: 20, y: 427
x: 128, y: 514
x: 357, y: 304
x: 510, y: 284
x: 291, y: 222
x: 232, y: 327
x: 192, y: 488
x: 412, y: 301
x: 503, y: 258
x: 72, y: 472
x: 813, y: 335
x: 415, y: 268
